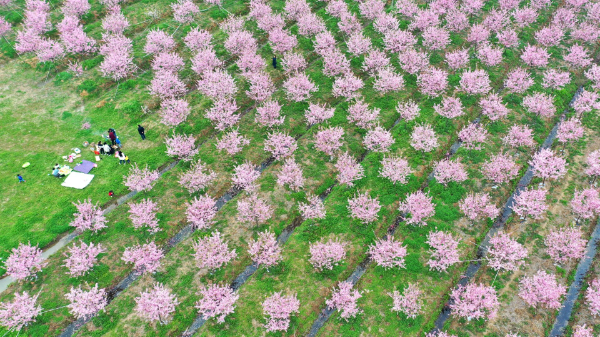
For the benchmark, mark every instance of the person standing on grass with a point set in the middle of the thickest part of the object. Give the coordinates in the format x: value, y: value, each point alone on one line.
x: 141, y: 132
x: 21, y: 180
x: 274, y: 62
x: 112, y: 136
x: 122, y: 158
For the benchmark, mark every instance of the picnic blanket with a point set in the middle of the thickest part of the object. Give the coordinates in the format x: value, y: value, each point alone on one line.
x: 78, y: 180
x: 85, y: 167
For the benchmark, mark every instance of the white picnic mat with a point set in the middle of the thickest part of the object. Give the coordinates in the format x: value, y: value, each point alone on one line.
x: 78, y: 180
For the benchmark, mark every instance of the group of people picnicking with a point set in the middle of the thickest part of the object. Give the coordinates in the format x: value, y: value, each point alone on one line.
x: 113, y: 149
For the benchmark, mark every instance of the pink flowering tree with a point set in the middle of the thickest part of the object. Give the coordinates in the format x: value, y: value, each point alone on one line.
x: 586, y: 102
x: 335, y: 63
x: 24, y: 262
x: 143, y: 214
x: 378, y: 139
x: 205, y: 61
x: 156, y: 304
x: 530, y: 203
x: 451, y: 107
x: 326, y: 255
x: 419, y: 206
x: 364, y: 208
x: 388, y: 253
x: 317, y: 113
x: 501, y: 168
x: 88, y: 217
x: 347, y: 86
x: 158, y: 41
x: 360, y: 114
x: 592, y: 297
x: 168, y: 62
x: 408, y: 110
x: 478, y: 205
x: 244, y: 176
x: 166, y: 85
x: 344, y: 300
x: 86, y: 304
x: 447, y: 170
x: 212, y: 252
x: 564, y: 244
x: 569, y: 130
x: 508, y: 38
x: 387, y: 80
x: 269, y: 114
x: 423, y: 138
x: 299, y: 87
x: 583, y: 331
x: 184, y: 11
x: 349, y: 169
x: 458, y: 59
x: 586, y: 204
x: 265, y: 250
x: 475, y: 82
x: 540, y: 104
x: 542, y: 290
x: 261, y: 86
x: 181, y: 146
x: 18, y: 313
x: 145, y: 258
x: 358, y: 44
x: 593, y: 165
x: 478, y: 33
x: 217, y: 301
x: 174, y: 111
x: 489, y: 55
x: 519, y: 135
x: 504, y: 253
x: 197, y: 177
x: 395, y: 169
x: 280, y: 145
x: 577, y: 57
x: 556, y: 79
x: 329, y: 140
x: 444, y: 252
x: 140, y: 180
x: 472, y: 136
x: 410, y: 302
x: 254, y: 210
x: 293, y: 63
x: 474, y: 301
x: 313, y: 208
x: 547, y: 165
x: 535, y: 56
x: 217, y: 84
x: 222, y: 114
x: 278, y: 309
x: 435, y: 38
x: 232, y: 142
x: 81, y: 259
x: 432, y: 82
x: 291, y: 175
x: 374, y: 60
x: 518, y: 80
x: 201, y: 212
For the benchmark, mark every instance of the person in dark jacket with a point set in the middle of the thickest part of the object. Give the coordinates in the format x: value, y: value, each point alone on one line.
x: 274, y: 62
x: 112, y: 136
x: 141, y: 132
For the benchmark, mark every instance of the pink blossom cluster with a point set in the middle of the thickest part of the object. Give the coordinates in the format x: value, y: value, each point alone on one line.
x: 547, y: 165
x: 423, y: 138
x: 280, y: 145
x: 419, y: 206
x: 81, y: 259
x: 364, y: 208
x: 540, y: 104
x: 473, y: 135
x: 388, y: 253
x: 475, y: 82
x: 217, y: 301
x: 360, y: 114
x: 291, y: 175
x: 317, y: 113
x: 447, y: 170
x: 201, y: 211
x: 564, y: 244
x: 24, y: 261
x: 143, y: 214
x: 445, y: 251
x: 212, y: 252
x: 86, y: 304
x: 408, y: 110
x: 349, y: 169
x: 474, y: 301
x: 493, y: 108
x: 232, y: 142
x: 195, y: 179
x: 244, y: 176
x: 265, y: 250
x: 542, y: 289
x: 531, y: 203
x: 592, y: 297
x: 278, y: 310
x: 478, y: 205
x: 395, y: 169
x: 593, y: 164
x: 505, y: 253
x: 326, y: 255
x: 451, y: 107
x: 378, y: 139
x: 413, y: 61
x: 569, y: 130
x: 156, y: 304
x: 519, y: 135
x: 88, y: 217
x: 344, y: 300
x: 145, y: 258
x: 410, y: 302
x: 501, y: 168
x: 140, y: 180
x: 18, y: 313
x: 329, y: 140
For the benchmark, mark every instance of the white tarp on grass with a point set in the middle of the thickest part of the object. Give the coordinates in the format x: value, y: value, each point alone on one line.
x: 78, y: 180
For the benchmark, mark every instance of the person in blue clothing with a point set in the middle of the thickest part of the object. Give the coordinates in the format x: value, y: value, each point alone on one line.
x: 21, y: 180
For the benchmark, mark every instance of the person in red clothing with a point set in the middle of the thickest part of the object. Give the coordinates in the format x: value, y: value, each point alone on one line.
x: 112, y: 136
x: 111, y: 193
